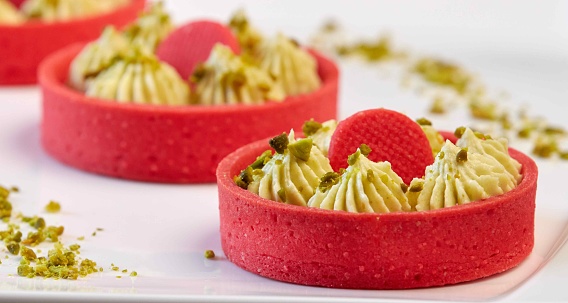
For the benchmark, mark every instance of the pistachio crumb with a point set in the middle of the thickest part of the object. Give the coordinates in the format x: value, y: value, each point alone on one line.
x: 365, y: 149
x: 414, y: 188
x: 279, y: 143
x: 311, y: 127
x: 459, y: 131
x: 404, y: 187
x: 53, y: 207
x: 133, y: 274
x: 209, y: 254
x: 328, y: 180
x: 301, y: 149
x: 423, y: 121
x: 461, y: 156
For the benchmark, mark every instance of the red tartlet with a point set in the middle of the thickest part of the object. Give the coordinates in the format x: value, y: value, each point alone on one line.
x: 374, y: 251
x: 24, y: 46
x: 180, y: 144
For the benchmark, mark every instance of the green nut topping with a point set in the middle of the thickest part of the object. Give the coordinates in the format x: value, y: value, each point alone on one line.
x: 301, y: 149
x: 279, y: 143
x: 261, y: 160
x: 365, y: 149
x: 244, y: 178
x: 311, y: 127
x: 209, y: 254
x: 461, y: 156
x: 328, y: 180
x: 370, y: 175
x: 459, y: 131
x: 418, y: 187
x: 423, y: 121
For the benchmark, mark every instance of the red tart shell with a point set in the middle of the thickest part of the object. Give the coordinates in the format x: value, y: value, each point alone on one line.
x: 181, y: 144
x: 24, y: 46
x: 398, y: 250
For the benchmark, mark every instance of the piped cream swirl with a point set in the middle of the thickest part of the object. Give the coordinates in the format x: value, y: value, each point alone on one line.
x: 288, y: 178
x: 140, y: 78
x: 226, y: 79
x: 365, y: 186
x: 458, y: 176
x: 293, y: 69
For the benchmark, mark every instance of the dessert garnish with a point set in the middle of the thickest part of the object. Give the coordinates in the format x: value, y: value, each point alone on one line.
x: 227, y: 79
x: 63, y: 10
x: 365, y: 186
x: 320, y: 133
x: 291, y: 175
x: 434, y: 137
x: 293, y: 69
x: 143, y: 34
x: 475, y: 168
x: 460, y: 175
x: 392, y: 137
x: 249, y: 37
x: 139, y: 77
x: 190, y: 44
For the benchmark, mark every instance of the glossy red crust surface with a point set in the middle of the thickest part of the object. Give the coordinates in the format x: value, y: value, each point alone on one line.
x: 392, y: 137
x: 180, y: 144
x: 374, y: 251
x: 23, y: 47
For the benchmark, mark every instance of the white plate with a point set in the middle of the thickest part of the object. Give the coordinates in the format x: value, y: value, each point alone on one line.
x: 161, y: 231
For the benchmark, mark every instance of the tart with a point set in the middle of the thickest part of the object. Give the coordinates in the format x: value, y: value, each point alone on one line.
x: 393, y: 250
x: 26, y: 44
x: 175, y: 144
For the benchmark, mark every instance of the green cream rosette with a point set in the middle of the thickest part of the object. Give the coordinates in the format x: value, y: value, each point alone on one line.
x: 293, y: 69
x: 364, y: 187
x: 459, y: 176
x: 226, y: 78
x: 291, y: 175
x: 139, y: 77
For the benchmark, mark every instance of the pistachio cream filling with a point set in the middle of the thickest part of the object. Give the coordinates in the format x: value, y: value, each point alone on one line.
x: 435, y: 139
x: 62, y: 10
x: 477, y: 168
x: 459, y: 176
x: 291, y: 175
x: 496, y: 148
x: 249, y: 37
x: 226, y: 79
x: 150, y: 28
x: 293, y: 69
x: 139, y: 77
x: 143, y: 34
x: 96, y: 56
x: 365, y: 186
x: 9, y: 14
x: 320, y: 133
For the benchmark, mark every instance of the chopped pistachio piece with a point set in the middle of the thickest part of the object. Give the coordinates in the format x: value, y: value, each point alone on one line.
x: 279, y: 143
x: 53, y: 207
x: 301, y: 148
x: 461, y: 156
x: 328, y: 180
x: 311, y: 127
x: 423, y: 121
x: 209, y: 254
